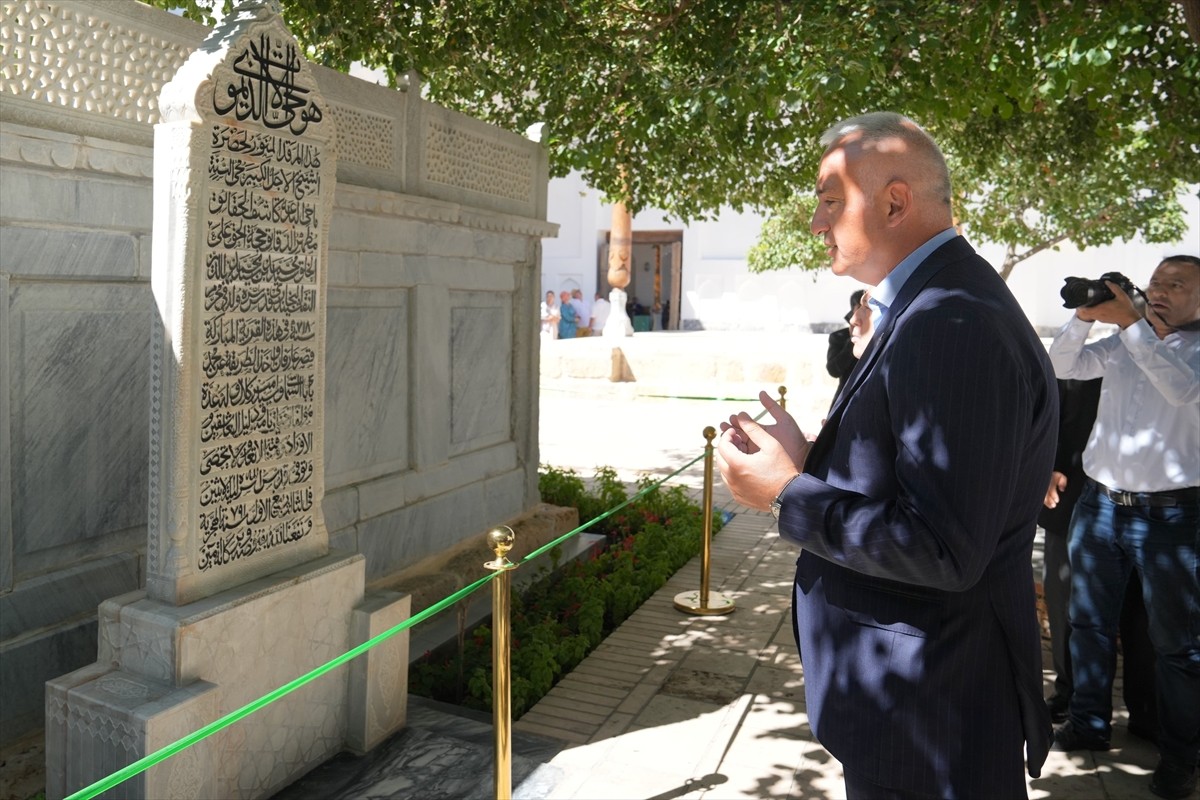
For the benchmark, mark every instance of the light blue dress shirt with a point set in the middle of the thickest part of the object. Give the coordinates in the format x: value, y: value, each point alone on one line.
x: 883, y: 295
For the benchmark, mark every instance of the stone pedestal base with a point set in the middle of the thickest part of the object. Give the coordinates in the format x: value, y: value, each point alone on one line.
x: 164, y: 671
x: 100, y: 719
x: 379, y: 677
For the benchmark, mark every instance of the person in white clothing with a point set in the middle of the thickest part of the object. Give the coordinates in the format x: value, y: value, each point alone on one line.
x: 1140, y: 511
x: 550, y: 316
x: 600, y: 311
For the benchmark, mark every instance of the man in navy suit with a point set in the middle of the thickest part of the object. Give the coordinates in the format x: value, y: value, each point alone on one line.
x: 915, y: 507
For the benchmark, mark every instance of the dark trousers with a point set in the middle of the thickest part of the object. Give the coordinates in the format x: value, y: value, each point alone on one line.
x: 1158, y: 545
x: 1134, y: 630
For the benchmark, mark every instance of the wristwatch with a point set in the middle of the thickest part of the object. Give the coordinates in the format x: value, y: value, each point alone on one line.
x: 777, y: 503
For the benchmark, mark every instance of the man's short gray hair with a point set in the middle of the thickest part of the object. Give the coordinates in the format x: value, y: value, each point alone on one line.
x: 882, y: 125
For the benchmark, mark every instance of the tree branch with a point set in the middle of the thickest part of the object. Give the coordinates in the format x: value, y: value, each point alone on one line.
x: 1012, y: 259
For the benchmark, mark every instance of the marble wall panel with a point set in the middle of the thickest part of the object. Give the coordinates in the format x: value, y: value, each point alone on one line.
x: 385, y: 540
x: 458, y: 273
x: 430, y: 348
x: 94, y: 202
x: 341, y: 508
x: 80, y: 404
x: 502, y: 495
x: 447, y: 519
x: 27, y: 195
x: 480, y: 370
x: 456, y: 241
x: 25, y: 666
x: 47, y: 599
x: 344, y: 540
x: 379, y: 234
x: 49, y: 253
x: 6, y: 459
x: 393, y: 541
x: 113, y: 204
x: 343, y: 268
x: 385, y: 269
x: 390, y: 492
x: 366, y: 394
x: 499, y: 247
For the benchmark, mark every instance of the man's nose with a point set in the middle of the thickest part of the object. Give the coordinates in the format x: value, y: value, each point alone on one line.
x: 818, y: 225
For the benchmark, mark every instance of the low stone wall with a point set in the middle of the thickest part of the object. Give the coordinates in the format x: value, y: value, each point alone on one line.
x: 444, y: 573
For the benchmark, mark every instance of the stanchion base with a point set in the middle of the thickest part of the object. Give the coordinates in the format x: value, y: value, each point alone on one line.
x: 718, y: 603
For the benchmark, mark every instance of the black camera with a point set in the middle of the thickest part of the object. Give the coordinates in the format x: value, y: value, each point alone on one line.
x: 1085, y: 292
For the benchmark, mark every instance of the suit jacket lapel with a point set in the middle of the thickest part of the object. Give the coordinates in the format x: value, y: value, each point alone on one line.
x: 949, y: 252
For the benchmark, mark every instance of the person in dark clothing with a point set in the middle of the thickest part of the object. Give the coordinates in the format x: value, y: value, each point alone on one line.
x: 840, y: 358
x: 1078, y: 400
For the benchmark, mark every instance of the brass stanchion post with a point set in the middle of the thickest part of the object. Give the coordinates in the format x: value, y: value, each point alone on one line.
x: 501, y: 541
x: 783, y: 397
x: 703, y: 602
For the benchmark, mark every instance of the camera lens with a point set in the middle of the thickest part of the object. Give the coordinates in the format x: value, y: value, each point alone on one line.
x: 1078, y: 292
x: 1075, y: 292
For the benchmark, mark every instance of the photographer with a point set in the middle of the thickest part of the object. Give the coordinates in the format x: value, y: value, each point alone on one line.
x: 1140, y: 509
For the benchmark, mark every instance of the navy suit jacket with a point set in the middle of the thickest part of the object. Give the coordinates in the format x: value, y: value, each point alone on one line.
x: 914, y: 594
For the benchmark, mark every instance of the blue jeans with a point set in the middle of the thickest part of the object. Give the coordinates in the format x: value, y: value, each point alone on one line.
x: 1107, y: 542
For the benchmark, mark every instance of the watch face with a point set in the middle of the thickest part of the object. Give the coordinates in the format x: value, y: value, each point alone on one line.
x: 776, y: 507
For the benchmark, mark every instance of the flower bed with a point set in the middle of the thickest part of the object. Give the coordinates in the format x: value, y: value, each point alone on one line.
x: 564, y: 614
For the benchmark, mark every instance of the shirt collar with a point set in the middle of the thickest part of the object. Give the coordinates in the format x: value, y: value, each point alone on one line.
x: 883, y: 295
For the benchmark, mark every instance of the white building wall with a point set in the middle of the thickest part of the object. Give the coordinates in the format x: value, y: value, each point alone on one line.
x: 720, y: 293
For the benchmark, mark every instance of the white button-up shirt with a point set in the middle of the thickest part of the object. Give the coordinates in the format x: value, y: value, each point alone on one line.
x: 1147, y: 432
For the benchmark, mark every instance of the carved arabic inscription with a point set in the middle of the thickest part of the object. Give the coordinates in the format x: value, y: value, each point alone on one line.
x: 260, y: 310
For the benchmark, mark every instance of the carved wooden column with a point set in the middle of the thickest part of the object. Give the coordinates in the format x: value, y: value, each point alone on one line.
x: 620, y: 253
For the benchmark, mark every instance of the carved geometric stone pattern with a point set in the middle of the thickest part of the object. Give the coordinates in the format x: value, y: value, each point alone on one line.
x: 186, y: 775
x: 102, y: 727
x: 363, y: 138
x: 67, y: 58
x: 457, y: 158
x: 122, y: 687
x: 154, y: 513
x: 56, y: 712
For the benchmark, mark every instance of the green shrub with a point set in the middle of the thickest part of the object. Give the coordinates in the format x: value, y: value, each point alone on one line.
x: 564, y: 614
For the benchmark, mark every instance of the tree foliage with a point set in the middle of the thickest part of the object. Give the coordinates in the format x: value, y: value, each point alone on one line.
x: 1063, y: 119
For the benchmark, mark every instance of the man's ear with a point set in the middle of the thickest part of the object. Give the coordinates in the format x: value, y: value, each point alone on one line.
x: 899, y: 197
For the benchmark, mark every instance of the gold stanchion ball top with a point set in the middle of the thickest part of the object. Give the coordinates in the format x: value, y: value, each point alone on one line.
x: 501, y: 540
x: 710, y: 433
x: 782, y: 391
